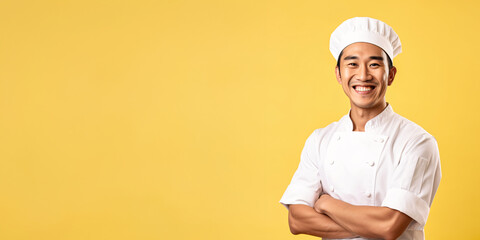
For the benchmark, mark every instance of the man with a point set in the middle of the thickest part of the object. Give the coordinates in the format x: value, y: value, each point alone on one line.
x: 372, y: 174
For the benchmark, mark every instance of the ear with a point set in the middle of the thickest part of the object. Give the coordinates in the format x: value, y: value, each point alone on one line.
x: 337, y: 74
x: 391, y: 75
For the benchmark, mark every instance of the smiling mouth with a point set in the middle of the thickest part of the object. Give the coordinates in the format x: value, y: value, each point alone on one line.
x: 363, y: 89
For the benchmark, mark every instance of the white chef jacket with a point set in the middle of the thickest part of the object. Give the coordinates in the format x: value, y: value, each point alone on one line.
x: 394, y: 163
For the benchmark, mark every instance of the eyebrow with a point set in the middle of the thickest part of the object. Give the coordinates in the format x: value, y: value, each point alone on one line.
x: 371, y: 57
x: 350, y: 57
x: 376, y: 58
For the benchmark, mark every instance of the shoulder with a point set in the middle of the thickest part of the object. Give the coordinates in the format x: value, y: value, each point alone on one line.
x: 413, y: 137
x: 407, y: 125
x: 326, y: 132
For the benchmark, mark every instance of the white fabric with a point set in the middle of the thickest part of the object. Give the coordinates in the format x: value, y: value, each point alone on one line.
x: 364, y: 29
x: 394, y: 163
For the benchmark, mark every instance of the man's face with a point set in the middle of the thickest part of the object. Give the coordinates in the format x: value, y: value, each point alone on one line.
x: 364, y: 75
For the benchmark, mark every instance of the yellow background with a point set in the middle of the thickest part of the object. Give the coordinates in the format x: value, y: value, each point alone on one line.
x: 186, y: 119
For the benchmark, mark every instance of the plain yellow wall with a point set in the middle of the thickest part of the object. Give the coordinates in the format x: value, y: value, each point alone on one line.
x: 185, y: 119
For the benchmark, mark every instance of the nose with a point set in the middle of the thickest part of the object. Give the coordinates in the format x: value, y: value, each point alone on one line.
x: 363, y: 74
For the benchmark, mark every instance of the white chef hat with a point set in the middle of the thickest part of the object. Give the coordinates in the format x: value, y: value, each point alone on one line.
x: 365, y: 29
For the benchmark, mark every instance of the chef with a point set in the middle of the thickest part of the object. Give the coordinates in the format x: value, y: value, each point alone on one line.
x: 372, y: 174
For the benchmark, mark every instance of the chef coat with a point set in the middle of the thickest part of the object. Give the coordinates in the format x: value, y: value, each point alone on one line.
x: 394, y: 163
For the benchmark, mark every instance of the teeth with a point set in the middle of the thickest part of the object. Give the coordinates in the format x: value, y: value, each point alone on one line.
x: 363, y: 89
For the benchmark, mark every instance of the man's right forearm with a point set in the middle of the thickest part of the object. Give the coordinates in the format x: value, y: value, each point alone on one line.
x: 305, y: 220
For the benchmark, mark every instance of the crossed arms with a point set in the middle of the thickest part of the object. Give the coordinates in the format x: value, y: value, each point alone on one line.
x: 333, y: 218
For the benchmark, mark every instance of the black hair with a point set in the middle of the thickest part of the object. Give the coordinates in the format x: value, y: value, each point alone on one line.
x: 390, y: 63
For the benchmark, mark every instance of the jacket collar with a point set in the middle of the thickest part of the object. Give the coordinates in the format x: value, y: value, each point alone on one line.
x: 374, y: 123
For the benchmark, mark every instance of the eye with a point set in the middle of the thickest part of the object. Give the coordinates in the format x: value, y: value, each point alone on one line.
x: 352, y: 64
x: 374, y: 65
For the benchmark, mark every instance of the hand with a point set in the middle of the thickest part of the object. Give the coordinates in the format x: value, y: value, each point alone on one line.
x: 320, y: 203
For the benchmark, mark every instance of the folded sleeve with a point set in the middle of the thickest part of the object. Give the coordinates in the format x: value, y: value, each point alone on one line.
x: 415, y: 179
x: 305, y: 186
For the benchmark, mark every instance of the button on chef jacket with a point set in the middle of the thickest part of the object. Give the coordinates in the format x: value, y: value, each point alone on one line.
x: 394, y: 163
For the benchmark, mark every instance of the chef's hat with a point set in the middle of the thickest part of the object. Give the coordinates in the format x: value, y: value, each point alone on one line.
x: 365, y: 29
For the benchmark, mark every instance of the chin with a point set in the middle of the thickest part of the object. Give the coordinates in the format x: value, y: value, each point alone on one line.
x: 366, y: 105
x: 363, y: 106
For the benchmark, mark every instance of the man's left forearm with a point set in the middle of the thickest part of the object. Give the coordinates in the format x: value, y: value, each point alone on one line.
x: 366, y: 221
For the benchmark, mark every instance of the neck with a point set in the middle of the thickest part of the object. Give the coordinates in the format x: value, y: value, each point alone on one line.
x: 360, y: 116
